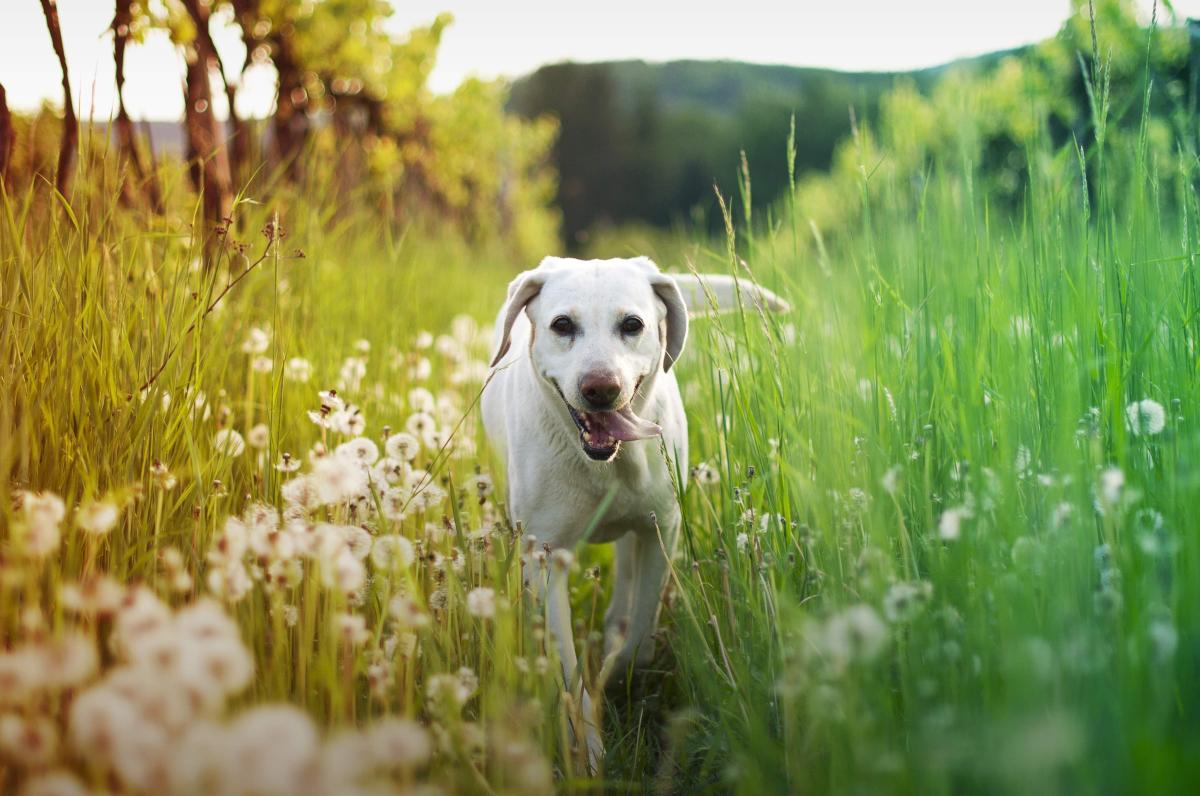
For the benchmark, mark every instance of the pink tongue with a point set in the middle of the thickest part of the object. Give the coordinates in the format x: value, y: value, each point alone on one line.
x: 623, y: 425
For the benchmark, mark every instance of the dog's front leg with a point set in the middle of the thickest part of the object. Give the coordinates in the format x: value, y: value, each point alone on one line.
x: 558, y: 624
x: 616, y: 618
x: 651, y: 551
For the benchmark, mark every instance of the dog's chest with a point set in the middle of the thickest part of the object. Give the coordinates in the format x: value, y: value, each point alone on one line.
x: 562, y: 504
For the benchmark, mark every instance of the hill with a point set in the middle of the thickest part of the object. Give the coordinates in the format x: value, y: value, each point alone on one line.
x: 645, y: 142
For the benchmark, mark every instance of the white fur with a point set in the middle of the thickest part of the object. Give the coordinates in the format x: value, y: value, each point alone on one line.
x: 555, y: 492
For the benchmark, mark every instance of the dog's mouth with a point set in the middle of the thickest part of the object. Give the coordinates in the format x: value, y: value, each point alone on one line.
x: 601, y: 433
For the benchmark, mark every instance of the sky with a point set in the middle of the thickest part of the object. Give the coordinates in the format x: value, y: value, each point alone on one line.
x: 490, y: 39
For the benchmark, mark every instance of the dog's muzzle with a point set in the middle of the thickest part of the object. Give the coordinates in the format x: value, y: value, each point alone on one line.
x: 601, y: 433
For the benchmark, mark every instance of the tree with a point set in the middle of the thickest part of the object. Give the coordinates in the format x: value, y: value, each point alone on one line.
x: 239, y: 136
x: 274, y: 32
x: 6, y: 134
x: 69, y: 145
x: 207, y: 155
x: 126, y: 138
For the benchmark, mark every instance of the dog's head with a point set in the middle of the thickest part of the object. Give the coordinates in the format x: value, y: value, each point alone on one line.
x: 602, y: 330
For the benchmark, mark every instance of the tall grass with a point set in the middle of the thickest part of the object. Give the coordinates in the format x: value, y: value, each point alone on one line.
x: 932, y: 543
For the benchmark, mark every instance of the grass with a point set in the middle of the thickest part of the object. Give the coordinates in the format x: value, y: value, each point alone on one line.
x: 937, y: 556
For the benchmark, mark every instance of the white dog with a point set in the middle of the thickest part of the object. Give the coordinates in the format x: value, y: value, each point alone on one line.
x: 582, y: 390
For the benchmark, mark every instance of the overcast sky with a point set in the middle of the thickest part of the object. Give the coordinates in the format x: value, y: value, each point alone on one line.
x: 490, y: 38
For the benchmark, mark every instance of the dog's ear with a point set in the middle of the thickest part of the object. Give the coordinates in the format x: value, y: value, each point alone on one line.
x: 521, y: 291
x: 677, y: 316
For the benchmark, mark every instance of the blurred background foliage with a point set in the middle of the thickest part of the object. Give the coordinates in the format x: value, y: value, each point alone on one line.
x: 644, y: 144
x: 603, y: 158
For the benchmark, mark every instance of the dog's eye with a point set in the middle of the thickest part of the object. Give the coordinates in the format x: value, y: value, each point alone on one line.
x: 563, y: 325
x: 632, y: 325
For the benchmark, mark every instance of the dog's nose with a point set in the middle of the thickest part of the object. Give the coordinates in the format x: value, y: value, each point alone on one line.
x: 600, y: 390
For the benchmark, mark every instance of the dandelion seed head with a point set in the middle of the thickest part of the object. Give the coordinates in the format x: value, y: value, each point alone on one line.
x: 229, y: 442
x: 297, y: 369
x: 481, y: 602
x: 257, y: 341
x: 402, y: 447
x: 97, y: 517
x: 259, y: 436
x: 1145, y: 418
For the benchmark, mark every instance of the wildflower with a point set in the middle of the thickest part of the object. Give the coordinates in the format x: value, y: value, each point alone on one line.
x: 330, y: 401
x: 950, y: 523
x: 1061, y: 513
x: 97, y: 718
x: 482, y: 485
x: 273, y: 748
x: 407, y: 612
x: 297, y: 369
x: 1111, y: 487
x: 435, y: 439
x: 402, y: 447
x: 705, y: 474
x: 420, y: 423
x: 468, y: 680
x: 421, y: 369
x: 743, y: 539
x: 44, y: 511
x: 301, y: 492
x: 352, y: 373
x: 290, y: 614
x: 428, y: 496
x: 1022, y: 461
x: 1151, y: 534
x: 395, y: 503
x: 345, y: 572
x: 904, y: 601
x: 54, y: 783
x: 161, y: 476
x: 96, y: 596
x: 446, y: 691
x: 30, y: 742
x: 1108, y: 601
x: 481, y: 602
x: 338, y: 479
x: 67, y: 661
x: 362, y: 346
x: 856, y: 634
x: 229, y: 580
x: 287, y: 463
x: 229, y: 442
x: 1145, y: 417
x: 359, y: 450
x: 399, y: 743
x: 259, y: 437
x: 200, y: 406
x: 348, y: 421
x: 1164, y: 638
x: 891, y: 480
x: 257, y: 341
x: 423, y: 340
x: 20, y: 675
x: 392, y: 552
x: 97, y: 517
x: 262, y: 364
x: 421, y: 400
x: 353, y: 628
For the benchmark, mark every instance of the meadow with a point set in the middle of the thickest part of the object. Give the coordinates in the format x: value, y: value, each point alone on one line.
x: 937, y: 527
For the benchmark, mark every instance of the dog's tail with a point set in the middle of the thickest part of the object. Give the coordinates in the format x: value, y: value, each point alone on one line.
x: 706, y: 293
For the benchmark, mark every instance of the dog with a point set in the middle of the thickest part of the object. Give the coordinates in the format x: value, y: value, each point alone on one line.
x: 583, y: 404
